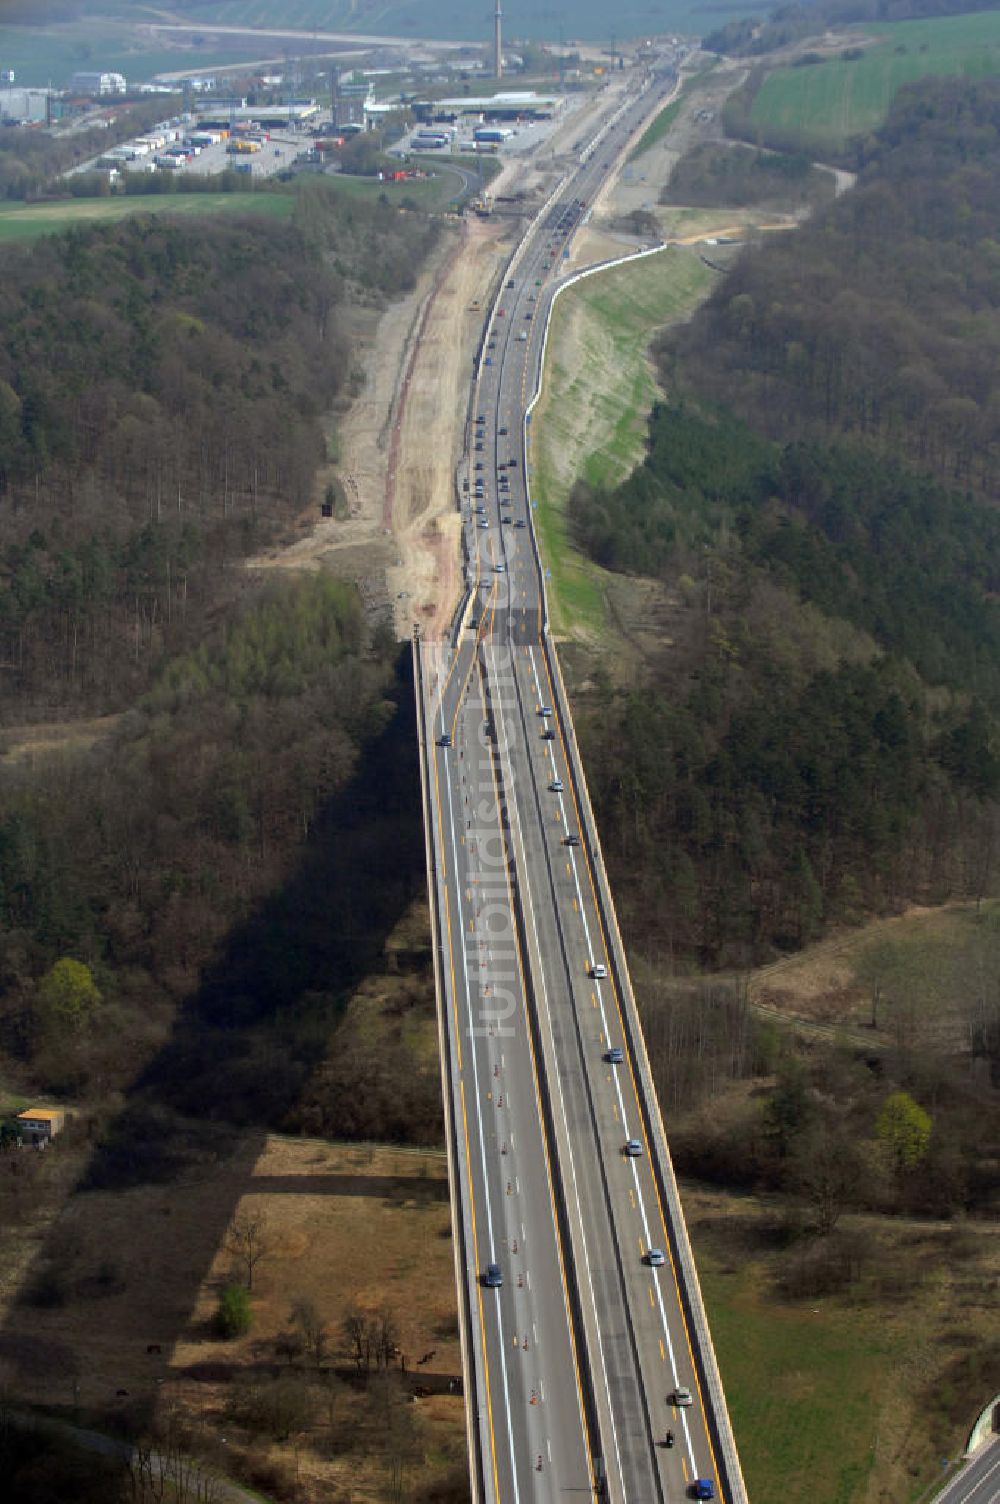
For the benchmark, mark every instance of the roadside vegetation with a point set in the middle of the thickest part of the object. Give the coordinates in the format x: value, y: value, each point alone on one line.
x: 739, y: 177
x: 790, y: 745
x: 599, y: 386
x: 657, y: 129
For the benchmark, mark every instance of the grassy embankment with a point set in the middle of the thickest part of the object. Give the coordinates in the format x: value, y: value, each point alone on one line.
x: 591, y: 422
x: 827, y: 103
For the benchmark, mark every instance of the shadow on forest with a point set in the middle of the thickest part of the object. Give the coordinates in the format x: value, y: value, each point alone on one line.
x: 240, y: 1052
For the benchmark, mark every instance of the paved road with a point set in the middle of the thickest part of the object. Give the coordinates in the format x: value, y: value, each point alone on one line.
x: 979, y: 1480
x: 574, y: 1359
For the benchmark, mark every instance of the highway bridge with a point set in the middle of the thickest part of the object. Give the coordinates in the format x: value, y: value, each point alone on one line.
x: 584, y: 1335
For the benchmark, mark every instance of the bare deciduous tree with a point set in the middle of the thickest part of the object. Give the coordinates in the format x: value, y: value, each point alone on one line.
x: 248, y: 1242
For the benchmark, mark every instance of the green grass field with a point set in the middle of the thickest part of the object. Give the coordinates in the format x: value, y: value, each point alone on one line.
x: 657, y: 130
x: 846, y: 1397
x: 28, y: 221
x: 591, y: 423
x: 803, y: 1385
x: 827, y: 103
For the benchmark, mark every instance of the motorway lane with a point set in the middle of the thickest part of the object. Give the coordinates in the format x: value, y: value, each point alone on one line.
x: 641, y: 1348
x: 979, y: 1480
x: 533, y: 1409
x: 654, y: 1297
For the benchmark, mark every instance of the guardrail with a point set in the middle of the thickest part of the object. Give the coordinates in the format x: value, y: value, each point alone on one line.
x: 551, y: 1129
x: 717, y: 1413
x: 462, y: 1242
x: 717, y: 1416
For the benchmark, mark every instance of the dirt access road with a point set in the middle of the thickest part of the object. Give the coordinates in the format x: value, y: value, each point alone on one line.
x: 401, y: 439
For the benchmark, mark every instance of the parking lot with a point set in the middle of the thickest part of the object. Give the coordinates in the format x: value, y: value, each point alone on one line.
x: 274, y: 156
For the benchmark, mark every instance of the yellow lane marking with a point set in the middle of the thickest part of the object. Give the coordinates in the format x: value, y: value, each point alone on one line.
x: 522, y: 970
x: 635, y: 1089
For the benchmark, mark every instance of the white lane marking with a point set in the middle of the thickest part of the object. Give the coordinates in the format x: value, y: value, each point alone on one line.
x: 482, y: 1154
x: 530, y: 909
x: 618, y: 1087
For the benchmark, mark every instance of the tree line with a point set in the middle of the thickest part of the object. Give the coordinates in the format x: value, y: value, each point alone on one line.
x: 32, y: 162
x: 820, y: 739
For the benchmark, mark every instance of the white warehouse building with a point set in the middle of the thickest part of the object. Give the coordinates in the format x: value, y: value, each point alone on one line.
x: 98, y: 83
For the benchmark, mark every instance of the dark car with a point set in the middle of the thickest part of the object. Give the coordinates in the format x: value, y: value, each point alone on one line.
x: 548, y: 735
x: 493, y: 1279
x: 444, y: 740
x: 615, y: 1056
x: 572, y: 839
x: 703, y: 1488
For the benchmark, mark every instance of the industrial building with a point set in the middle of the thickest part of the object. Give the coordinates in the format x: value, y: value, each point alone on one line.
x: 27, y: 106
x: 510, y: 106
x: 222, y: 115
x: 98, y: 84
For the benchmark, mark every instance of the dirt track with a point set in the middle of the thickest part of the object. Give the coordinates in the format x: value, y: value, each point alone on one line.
x: 401, y: 439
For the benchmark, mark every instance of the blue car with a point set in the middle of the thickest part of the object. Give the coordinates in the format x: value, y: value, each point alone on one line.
x: 703, y: 1488
x: 493, y: 1279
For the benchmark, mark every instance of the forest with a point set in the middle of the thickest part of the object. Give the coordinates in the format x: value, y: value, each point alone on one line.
x: 164, y: 392
x: 878, y: 321
x: 820, y: 740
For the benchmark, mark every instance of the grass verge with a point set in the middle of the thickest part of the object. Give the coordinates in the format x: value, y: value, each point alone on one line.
x: 28, y: 221
x: 591, y: 422
x: 657, y: 129
x: 826, y: 104
x: 858, y: 1396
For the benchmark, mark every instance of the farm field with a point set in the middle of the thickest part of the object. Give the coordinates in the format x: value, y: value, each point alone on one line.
x: 588, y: 20
x: 51, y: 54
x: 28, y: 221
x: 827, y: 103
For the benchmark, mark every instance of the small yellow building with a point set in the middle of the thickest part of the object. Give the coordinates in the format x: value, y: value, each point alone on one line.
x: 39, y: 1124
